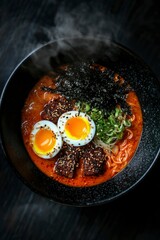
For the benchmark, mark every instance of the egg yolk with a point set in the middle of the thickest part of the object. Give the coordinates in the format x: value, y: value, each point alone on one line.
x: 45, y: 140
x: 77, y: 128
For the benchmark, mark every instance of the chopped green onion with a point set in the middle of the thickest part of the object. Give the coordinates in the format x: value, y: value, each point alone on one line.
x: 108, y: 129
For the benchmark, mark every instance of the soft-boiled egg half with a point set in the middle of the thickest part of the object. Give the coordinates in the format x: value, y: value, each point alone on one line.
x: 46, y: 140
x: 76, y: 128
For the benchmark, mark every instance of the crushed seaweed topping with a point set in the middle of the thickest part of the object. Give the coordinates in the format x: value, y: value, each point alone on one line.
x: 87, y: 82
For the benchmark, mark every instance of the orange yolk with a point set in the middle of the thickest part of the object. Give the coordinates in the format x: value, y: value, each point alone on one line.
x: 45, y: 140
x: 77, y: 128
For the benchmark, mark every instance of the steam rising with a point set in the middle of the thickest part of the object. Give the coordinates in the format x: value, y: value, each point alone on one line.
x: 131, y: 24
x: 84, y: 20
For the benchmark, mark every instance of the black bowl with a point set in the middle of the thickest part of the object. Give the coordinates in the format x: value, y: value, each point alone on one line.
x: 41, y: 61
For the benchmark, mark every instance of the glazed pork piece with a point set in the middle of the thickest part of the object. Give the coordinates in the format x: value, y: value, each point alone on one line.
x: 65, y: 166
x: 67, y: 161
x: 94, y: 160
x: 55, y: 108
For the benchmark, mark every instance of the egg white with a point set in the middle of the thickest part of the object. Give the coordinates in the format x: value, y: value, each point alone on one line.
x: 76, y: 142
x: 45, y: 124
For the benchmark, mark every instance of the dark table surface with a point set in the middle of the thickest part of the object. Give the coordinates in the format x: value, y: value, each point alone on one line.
x: 26, y: 25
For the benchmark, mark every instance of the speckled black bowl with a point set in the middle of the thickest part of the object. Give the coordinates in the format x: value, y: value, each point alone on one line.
x: 40, y: 62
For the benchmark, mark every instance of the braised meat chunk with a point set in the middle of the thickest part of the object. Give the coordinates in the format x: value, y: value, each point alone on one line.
x: 67, y: 161
x: 94, y: 162
x: 65, y: 166
x: 55, y: 108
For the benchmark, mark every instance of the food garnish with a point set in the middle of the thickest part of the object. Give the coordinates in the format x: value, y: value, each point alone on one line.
x: 109, y: 129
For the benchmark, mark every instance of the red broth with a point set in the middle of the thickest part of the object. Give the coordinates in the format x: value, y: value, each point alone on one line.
x: 122, y: 154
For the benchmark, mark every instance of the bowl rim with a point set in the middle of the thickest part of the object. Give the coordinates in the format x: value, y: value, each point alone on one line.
x: 2, y: 137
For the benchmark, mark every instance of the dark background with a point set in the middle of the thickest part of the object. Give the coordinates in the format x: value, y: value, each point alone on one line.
x: 26, y: 25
